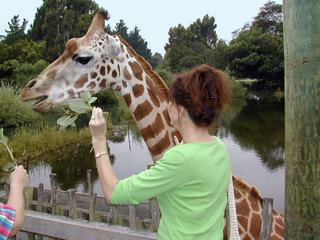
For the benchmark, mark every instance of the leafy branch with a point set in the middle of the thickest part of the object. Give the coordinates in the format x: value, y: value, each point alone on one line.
x: 4, y: 140
x: 83, y: 105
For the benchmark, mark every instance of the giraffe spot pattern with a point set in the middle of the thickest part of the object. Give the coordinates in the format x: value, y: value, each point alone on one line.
x: 103, y: 83
x: 82, y: 80
x: 71, y: 93
x: 166, y: 117
x: 127, y: 99
x: 102, y: 70
x: 255, y: 225
x: 108, y: 69
x: 153, y: 92
x: 126, y: 73
x: 92, y: 85
x: 136, y: 69
x: 114, y: 74
x: 93, y: 74
x: 243, y: 207
x: 52, y: 74
x: 142, y: 110
x: 124, y: 84
x: 163, y: 144
x: 138, y: 90
x: 151, y: 131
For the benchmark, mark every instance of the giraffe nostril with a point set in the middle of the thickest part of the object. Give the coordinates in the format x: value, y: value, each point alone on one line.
x: 31, y: 83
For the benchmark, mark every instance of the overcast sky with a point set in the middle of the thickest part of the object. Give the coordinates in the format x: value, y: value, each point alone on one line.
x: 155, y: 18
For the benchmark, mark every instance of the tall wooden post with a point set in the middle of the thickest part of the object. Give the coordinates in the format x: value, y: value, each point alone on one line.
x: 302, y: 111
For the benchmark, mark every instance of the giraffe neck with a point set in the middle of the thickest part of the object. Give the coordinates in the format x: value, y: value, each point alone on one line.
x: 146, y: 95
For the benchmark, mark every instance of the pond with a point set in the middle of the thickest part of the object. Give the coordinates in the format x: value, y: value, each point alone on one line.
x: 253, y: 131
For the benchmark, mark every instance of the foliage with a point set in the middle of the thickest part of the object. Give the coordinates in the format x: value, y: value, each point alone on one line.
x: 194, y: 45
x: 257, y: 49
x: 76, y: 107
x: 4, y: 141
x: 165, y: 74
x: 60, y: 20
x: 270, y: 19
x: 16, y: 31
x: 134, y: 39
x: 14, y: 112
x: 156, y: 60
x: 256, y: 54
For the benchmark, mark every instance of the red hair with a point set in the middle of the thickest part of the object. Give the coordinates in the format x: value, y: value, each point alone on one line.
x: 203, y: 91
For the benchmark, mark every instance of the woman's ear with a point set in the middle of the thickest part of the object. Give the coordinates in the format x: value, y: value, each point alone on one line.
x: 182, y: 111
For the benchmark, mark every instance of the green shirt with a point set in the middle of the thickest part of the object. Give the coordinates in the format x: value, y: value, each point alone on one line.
x: 190, y: 183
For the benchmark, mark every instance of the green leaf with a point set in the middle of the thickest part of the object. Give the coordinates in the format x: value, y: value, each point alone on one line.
x: 66, y: 121
x: 8, y: 167
x: 85, y: 96
x: 92, y: 100
x: 79, y: 107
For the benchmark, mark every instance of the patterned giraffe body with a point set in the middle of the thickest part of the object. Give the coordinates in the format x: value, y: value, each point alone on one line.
x: 99, y: 61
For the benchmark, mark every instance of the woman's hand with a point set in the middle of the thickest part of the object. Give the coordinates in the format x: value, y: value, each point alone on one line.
x: 19, y: 178
x: 97, y: 125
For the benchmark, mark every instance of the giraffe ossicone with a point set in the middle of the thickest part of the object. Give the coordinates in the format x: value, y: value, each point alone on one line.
x: 98, y: 61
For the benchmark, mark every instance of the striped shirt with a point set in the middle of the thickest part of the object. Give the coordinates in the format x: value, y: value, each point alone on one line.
x: 7, y: 218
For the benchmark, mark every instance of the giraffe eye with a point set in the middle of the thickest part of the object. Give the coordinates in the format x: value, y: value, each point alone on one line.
x: 82, y: 60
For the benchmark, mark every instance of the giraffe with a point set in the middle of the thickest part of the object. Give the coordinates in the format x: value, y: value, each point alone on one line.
x: 98, y: 61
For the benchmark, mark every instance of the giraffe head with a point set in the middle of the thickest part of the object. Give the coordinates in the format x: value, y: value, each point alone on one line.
x: 83, y: 66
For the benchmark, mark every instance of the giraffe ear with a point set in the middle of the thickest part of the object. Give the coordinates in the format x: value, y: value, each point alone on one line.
x: 113, y: 49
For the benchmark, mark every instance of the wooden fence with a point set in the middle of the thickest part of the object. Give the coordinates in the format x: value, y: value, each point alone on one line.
x: 70, y: 215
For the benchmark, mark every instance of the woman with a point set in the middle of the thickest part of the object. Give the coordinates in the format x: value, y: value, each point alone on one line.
x: 12, y: 213
x: 190, y: 182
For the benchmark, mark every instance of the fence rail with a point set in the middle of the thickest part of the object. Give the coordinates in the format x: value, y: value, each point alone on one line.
x: 75, y: 215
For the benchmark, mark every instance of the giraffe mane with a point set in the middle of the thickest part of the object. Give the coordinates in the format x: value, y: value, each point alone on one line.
x: 244, y: 186
x: 161, y: 85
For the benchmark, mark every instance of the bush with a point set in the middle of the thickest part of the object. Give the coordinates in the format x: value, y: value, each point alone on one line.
x: 14, y: 112
x: 25, y: 72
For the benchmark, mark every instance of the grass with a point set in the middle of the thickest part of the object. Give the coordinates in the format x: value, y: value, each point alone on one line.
x: 28, y: 144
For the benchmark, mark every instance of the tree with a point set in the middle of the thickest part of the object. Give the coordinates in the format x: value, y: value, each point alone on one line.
x: 257, y: 49
x: 204, y: 31
x: 57, y: 21
x: 139, y: 44
x: 16, y: 31
x: 121, y: 29
x: 302, y: 133
x: 258, y: 55
x: 156, y: 60
x: 270, y: 18
x: 134, y: 39
x: 191, y: 46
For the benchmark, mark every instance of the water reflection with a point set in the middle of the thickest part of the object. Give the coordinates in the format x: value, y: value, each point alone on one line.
x: 253, y: 131
x: 259, y: 126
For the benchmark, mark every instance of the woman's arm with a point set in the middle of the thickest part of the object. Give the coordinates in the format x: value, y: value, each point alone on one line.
x: 19, y: 179
x: 107, y: 176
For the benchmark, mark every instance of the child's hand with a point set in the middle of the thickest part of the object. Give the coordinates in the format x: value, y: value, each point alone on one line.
x: 19, y: 177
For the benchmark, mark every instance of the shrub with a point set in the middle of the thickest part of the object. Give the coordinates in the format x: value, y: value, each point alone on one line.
x: 14, y: 112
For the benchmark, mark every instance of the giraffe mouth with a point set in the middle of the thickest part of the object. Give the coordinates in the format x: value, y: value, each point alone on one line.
x: 39, y: 99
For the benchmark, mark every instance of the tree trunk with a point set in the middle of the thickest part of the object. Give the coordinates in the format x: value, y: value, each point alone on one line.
x: 302, y: 111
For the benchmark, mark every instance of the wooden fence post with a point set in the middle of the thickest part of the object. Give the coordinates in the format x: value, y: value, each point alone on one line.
x: 266, y: 226
x: 155, y: 213
x: 72, y: 203
x: 40, y: 197
x: 132, y: 217
x: 54, y: 197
